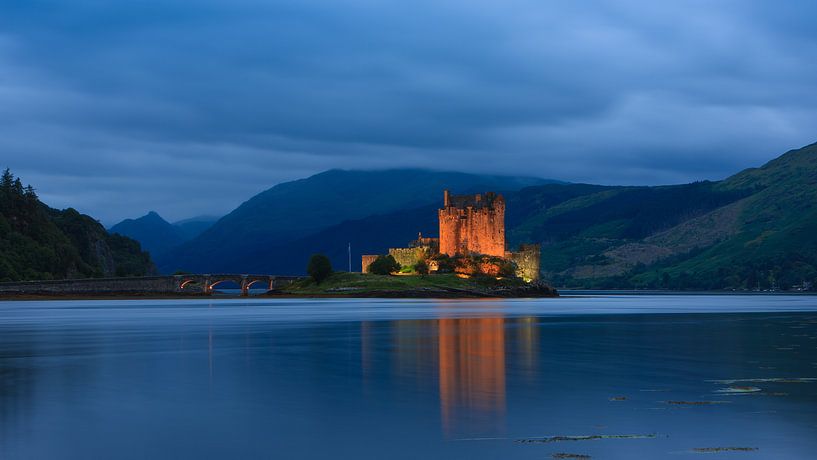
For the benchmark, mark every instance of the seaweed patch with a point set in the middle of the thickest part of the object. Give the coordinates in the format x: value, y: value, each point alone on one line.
x: 739, y: 390
x: 714, y: 450
x: 696, y: 403
x: 768, y: 380
x: 592, y: 437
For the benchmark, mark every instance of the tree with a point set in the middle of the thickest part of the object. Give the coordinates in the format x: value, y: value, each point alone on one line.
x: 37, y: 242
x: 421, y: 267
x: 17, y: 187
x: 319, y: 268
x: 384, y: 265
x: 7, y: 180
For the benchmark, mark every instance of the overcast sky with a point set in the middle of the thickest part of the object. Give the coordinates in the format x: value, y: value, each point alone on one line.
x: 191, y: 107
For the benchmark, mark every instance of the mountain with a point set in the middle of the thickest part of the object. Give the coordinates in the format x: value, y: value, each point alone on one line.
x: 38, y: 242
x: 766, y: 240
x: 756, y: 229
x: 155, y: 234
x: 370, y: 235
x: 294, y: 210
x: 194, y: 226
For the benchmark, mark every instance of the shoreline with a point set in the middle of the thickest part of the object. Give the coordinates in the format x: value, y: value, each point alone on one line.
x: 382, y: 294
x: 415, y: 294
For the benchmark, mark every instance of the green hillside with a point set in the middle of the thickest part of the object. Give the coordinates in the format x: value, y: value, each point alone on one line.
x: 37, y: 242
x: 757, y: 229
x: 774, y: 241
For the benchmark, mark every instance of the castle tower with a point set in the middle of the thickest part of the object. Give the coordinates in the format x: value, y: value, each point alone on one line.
x: 472, y: 224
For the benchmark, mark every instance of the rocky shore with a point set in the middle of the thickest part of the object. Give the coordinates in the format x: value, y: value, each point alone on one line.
x: 353, y: 285
x: 343, y: 285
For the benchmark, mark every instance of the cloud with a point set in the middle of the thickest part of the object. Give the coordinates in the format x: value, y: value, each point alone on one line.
x: 117, y: 108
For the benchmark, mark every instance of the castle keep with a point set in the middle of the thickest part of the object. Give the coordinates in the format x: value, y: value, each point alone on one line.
x: 471, y: 226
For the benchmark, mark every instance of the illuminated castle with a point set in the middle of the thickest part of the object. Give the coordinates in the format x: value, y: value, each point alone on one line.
x: 470, y: 225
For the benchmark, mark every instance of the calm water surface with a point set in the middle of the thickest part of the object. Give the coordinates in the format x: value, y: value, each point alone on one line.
x: 397, y: 379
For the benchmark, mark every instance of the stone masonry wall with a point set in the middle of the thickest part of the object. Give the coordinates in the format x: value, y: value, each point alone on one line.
x: 407, y: 257
x: 527, y: 261
x: 146, y: 284
x: 473, y: 225
x: 367, y: 260
x: 159, y: 284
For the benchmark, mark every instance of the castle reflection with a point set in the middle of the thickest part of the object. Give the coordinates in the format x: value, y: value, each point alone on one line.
x: 472, y: 373
x: 466, y: 359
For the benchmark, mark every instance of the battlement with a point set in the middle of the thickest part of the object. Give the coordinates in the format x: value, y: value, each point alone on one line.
x: 476, y: 201
x: 432, y: 244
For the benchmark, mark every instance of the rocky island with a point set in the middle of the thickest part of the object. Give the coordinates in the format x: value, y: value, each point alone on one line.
x: 344, y: 284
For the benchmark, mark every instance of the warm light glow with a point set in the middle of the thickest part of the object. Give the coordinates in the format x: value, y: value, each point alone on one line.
x: 185, y: 283
x: 472, y: 369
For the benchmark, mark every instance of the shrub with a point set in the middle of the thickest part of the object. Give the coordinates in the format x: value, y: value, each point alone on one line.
x: 507, y: 268
x: 319, y: 268
x: 421, y: 267
x: 384, y: 265
x: 444, y: 263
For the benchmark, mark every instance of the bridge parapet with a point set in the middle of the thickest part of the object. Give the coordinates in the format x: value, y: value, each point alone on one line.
x: 170, y: 284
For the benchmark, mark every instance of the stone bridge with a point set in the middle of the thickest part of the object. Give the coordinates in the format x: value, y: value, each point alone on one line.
x: 172, y: 284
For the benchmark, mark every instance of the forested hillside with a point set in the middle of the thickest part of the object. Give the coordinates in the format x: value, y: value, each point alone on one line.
x: 755, y: 230
x: 37, y: 242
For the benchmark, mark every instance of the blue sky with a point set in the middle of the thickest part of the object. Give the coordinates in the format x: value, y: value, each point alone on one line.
x: 191, y: 107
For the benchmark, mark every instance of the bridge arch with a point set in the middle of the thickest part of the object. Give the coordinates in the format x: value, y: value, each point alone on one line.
x: 185, y: 282
x: 266, y: 282
x: 242, y: 282
x: 211, y: 284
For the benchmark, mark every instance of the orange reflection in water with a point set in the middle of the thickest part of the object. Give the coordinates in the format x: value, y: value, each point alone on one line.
x: 465, y: 358
x: 472, y: 373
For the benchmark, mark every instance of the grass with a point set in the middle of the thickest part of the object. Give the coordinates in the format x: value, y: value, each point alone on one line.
x: 341, y: 282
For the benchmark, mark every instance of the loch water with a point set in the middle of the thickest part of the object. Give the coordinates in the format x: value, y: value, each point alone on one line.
x: 606, y: 376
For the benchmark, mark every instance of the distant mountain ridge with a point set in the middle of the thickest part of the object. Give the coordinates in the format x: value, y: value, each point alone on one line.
x: 293, y: 210
x: 157, y: 235
x: 154, y: 233
x: 194, y: 226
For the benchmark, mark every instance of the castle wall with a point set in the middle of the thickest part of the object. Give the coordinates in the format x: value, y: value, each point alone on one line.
x: 367, y: 260
x: 473, y: 224
x: 527, y: 261
x: 407, y: 257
